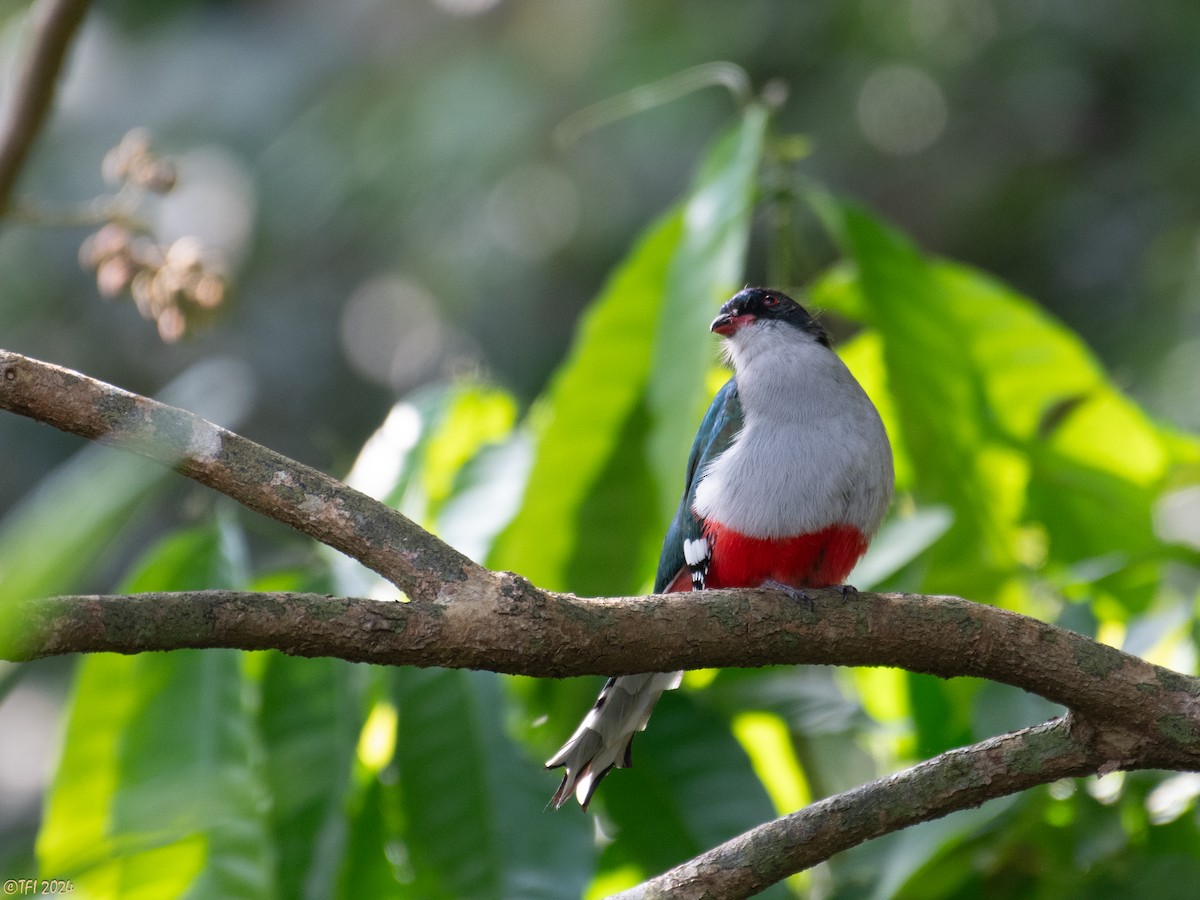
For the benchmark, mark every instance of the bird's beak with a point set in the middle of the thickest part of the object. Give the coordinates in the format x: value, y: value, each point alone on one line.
x: 726, y: 323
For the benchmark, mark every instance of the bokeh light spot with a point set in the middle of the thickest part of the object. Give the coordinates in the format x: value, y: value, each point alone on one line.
x: 392, y: 332
x: 465, y: 7
x: 901, y: 110
x: 533, y: 211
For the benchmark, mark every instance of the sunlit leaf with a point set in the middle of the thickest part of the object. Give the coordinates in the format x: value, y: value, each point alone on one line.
x: 691, y: 787
x: 706, y: 268
x: 766, y: 740
x: 825, y: 722
x: 472, y: 808
x: 447, y: 451
x: 594, y: 403
x: 475, y: 417
x: 159, y: 791
x: 613, y: 432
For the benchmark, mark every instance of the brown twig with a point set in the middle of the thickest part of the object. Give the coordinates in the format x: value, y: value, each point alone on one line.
x: 56, y: 22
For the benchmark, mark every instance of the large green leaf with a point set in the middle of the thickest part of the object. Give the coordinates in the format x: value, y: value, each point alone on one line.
x: 613, y: 431
x: 309, y: 720
x: 448, y: 452
x: 1008, y: 419
x: 159, y: 791
x: 691, y: 787
x: 1095, y: 464
x: 470, y: 808
x: 593, y: 420
x: 705, y: 269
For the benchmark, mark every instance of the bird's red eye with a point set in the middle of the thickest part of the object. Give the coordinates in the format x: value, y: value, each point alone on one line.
x: 770, y: 301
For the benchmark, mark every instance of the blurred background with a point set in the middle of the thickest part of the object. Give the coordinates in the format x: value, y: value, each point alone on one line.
x: 377, y: 163
x: 381, y: 184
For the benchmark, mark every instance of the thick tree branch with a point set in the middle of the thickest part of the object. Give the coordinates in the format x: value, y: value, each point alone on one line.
x: 266, y: 482
x: 503, y: 623
x: 55, y: 24
x: 1136, y: 715
x: 1125, y: 712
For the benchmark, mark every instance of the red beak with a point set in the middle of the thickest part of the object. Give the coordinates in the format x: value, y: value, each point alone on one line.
x: 726, y: 324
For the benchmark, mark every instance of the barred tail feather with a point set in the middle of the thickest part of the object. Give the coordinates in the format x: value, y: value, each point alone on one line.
x: 605, y: 736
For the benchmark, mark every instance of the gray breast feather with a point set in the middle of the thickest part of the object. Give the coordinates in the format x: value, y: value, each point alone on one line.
x: 812, y: 453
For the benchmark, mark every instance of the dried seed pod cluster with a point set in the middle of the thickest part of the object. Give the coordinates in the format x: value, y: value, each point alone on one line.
x: 175, y: 286
x: 132, y: 162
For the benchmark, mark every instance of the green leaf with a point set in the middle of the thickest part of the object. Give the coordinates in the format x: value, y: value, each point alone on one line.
x: 593, y: 420
x: 471, y: 807
x: 374, y: 864
x: 443, y: 442
x: 309, y: 719
x: 824, y: 719
x: 158, y: 792
x: 52, y: 539
x: 941, y: 711
x: 413, y: 460
x: 706, y: 268
x: 901, y: 540
x: 612, y: 433
x: 691, y: 787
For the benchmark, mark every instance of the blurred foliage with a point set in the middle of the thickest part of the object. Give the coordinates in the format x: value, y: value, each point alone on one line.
x: 391, y: 184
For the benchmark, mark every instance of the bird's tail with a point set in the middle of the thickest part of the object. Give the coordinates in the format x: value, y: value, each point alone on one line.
x: 605, y: 736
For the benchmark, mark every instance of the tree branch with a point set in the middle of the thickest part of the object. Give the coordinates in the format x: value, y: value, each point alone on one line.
x: 1137, y: 715
x: 502, y: 623
x: 959, y: 779
x: 55, y: 26
x: 261, y: 479
x: 1125, y: 712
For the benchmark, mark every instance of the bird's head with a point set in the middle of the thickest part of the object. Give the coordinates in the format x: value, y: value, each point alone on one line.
x: 753, y: 308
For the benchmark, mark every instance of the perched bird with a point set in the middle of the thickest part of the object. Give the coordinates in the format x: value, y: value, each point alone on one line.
x: 787, y: 481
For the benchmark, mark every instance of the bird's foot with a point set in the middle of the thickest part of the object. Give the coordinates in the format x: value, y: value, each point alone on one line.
x: 794, y: 592
x: 848, y: 591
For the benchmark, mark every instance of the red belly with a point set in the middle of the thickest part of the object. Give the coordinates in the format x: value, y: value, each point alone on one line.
x: 813, y: 560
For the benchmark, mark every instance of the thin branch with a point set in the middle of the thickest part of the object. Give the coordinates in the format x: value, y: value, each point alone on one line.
x: 55, y: 26
x: 264, y: 481
x: 959, y: 779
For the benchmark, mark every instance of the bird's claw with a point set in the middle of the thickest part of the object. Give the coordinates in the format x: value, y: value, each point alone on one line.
x: 794, y: 593
x: 848, y: 592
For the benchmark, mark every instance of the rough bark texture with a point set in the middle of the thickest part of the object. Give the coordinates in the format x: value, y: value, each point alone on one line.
x: 959, y: 779
x: 1124, y: 713
x: 501, y: 622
